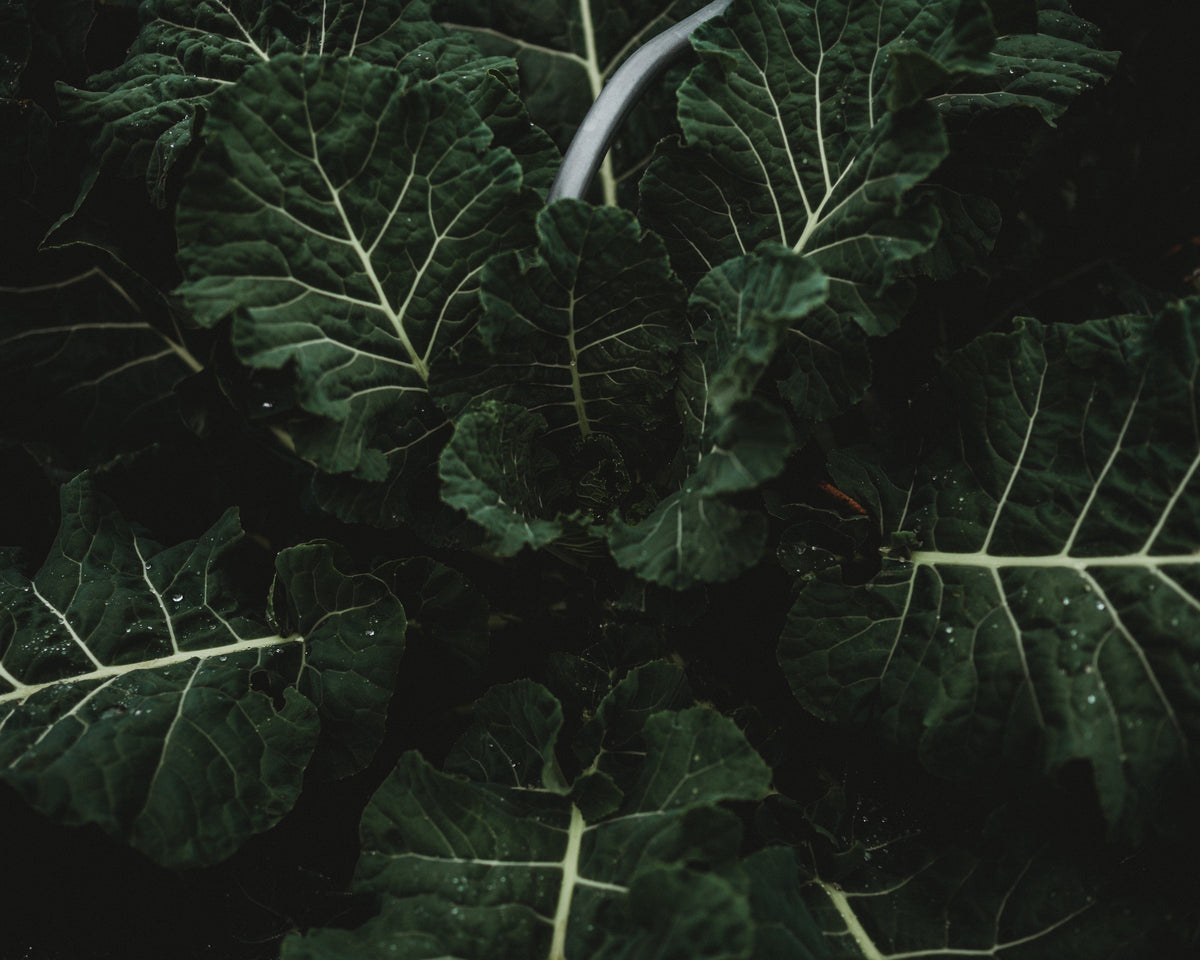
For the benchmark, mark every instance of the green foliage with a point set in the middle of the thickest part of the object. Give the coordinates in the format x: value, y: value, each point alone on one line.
x: 767, y: 585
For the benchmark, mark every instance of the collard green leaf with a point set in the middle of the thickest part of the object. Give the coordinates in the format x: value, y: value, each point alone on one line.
x: 585, y: 333
x: 755, y: 306
x: 355, y: 627
x: 1038, y: 596
x: 146, y: 109
x: 494, y: 469
x: 809, y: 125
x: 567, y: 50
x: 866, y: 891
x: 1045, y: 69
x: 342, y: 215
x: 695, y: 535
x: 690, y: 539
x: 505, y: 864
x: 83, y: 352
x: 139, y: 693
x: 748, y: 311
x: 791, y: 141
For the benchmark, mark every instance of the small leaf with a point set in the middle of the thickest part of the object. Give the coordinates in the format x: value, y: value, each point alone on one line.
x: 495, y: 471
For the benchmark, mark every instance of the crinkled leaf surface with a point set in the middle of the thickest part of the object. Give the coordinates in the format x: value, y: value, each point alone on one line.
x: 585, y: 333
x: 343, y: 215
x: 748, y: 310
x: 567, y: 50
x: 186, y: 52
x: 86, y: 354
x: 792, y: 142
x: 139, y: 692
x: 807, y: 125
x: 505, y: 864
x: 494, y: 469
x: 1039, y: 596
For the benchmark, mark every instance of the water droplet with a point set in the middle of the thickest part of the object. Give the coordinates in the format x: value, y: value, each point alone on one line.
x: 177, y: 597
x: 1099, y: 606
x: 1091, y: 698
x: 1066, y: 601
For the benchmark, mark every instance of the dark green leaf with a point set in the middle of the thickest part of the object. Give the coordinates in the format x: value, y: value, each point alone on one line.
x: 138, y: 693
x: 355, y: 212
x: 504, y: 864
x: 494, y: 469
x: 1038, y: 594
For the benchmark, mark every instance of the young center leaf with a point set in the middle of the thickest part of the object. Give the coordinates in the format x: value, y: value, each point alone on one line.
x: 495, y: 471
x: 747, y: 312
x: 140, y: 692
x: 341, y: 215
x: 1040, y: 591
x: 500, y: 852
x: 585, y: 333
x: 563, y: 380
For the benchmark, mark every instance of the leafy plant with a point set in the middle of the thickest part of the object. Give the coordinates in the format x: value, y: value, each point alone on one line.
x: 721, y: 566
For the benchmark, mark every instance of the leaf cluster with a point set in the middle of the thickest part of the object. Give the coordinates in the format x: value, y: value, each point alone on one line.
x: 721, y: 565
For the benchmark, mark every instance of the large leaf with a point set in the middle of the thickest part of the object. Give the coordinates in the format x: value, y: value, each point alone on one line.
x: 567, y: 50
x: 146, y: 108
x: 506, y: 863
x: 342, y: 215
x: 82, y: 351
x: 791, y: 141
x: 139, y: 690
x: 1040, y: 592
x: 806, y: 125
